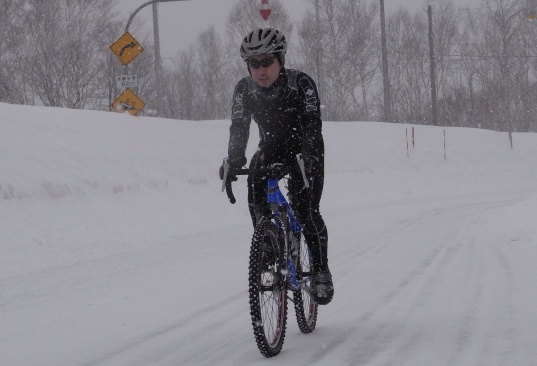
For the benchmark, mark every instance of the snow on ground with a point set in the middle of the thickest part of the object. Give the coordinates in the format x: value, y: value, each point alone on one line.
x: 118, y: 248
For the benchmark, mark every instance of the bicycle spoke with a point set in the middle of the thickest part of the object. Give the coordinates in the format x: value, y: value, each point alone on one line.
x: 306, y: 308
x: 268, y: 297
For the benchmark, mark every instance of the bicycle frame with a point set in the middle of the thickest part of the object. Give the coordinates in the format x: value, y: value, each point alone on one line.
x: 282, y: 209
x: 286, y: 266
x: 275, y: 196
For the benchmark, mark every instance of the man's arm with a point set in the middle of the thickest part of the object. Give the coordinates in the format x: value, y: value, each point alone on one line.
x: 241, y: 117
x: 311, y: 118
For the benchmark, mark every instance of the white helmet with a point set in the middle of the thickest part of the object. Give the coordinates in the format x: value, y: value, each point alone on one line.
x: 262, y: 41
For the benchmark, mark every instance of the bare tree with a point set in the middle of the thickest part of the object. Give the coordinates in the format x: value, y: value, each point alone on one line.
x: 446, y: 38
x: 214, y: 74
x: 458, y: 89
x: 64, y: 49
x: 181, y: 90
x: 409, y: 67
x: 502, y: 40
x: 348, y: 37
x: 200, y: 87
x: 57, y: 52
x: 12, y: 86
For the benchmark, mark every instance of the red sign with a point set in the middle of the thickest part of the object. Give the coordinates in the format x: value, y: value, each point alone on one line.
x: 265, y: 11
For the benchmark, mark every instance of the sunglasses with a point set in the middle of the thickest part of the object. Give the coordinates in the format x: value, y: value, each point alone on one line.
x: 265, y: 62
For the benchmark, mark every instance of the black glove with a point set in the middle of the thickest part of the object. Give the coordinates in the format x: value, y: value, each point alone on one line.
x: 234, y: 164
x: 237, y: 162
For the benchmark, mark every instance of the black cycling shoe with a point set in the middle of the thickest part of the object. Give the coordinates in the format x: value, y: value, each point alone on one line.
x: 322, y: 287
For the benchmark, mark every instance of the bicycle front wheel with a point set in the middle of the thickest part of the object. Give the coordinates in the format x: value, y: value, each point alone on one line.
x: 268, y: 293
x: 306, y: 308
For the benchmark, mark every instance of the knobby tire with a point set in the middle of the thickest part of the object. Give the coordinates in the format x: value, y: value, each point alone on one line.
x: 267, y: 288
x: 306, y: 308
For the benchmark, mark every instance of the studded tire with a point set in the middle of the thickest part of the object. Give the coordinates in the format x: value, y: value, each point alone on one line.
x: 306, y: 309
x: 267, y: 289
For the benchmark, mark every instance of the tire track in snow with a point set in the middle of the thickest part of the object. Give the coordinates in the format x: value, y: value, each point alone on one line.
x: 394, y: 329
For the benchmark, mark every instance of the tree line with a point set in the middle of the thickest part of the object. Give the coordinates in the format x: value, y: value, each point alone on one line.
x: 56, y: 53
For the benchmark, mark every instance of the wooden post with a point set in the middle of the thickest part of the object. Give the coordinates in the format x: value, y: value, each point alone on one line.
x: 406, y: 132
x: 445, y: 157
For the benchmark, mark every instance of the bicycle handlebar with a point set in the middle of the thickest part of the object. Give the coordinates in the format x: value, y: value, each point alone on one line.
x: 273, y: 169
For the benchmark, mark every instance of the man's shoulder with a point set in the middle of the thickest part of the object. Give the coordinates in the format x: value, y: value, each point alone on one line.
x: 296, y: 74
x: 300, y: 82
x: 244, y: 85
x: 245, y: 80
x: 297, y: 77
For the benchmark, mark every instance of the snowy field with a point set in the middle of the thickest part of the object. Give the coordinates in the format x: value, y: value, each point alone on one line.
x: 118, y: 248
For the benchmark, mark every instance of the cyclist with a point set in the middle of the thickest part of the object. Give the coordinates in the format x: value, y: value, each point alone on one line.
x: 285, y: 105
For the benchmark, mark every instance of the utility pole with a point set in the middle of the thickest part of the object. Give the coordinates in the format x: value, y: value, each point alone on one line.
x: 433, y: 66
x: 158, y: 63
x: 158, y: 59
x: 385, y: 76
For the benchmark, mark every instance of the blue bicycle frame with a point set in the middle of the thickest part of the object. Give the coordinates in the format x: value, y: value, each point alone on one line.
x: 275, y: 196
x: 280, y: 258
x: 276, y: 200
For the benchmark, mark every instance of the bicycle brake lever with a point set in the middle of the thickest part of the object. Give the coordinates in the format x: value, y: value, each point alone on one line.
x: 226, y: 171
x: 230, y: 194
x: 226, y: 183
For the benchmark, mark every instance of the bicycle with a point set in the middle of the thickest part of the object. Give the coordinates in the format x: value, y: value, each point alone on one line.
x: 280, y: 261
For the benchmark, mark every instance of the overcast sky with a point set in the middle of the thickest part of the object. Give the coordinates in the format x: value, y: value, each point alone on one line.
x: 181, y: 22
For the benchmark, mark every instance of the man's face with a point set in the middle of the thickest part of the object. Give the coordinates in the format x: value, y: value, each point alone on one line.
x: 265, y: 69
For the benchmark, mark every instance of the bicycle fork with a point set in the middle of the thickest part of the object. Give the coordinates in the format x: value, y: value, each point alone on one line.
x: 295, y: 252
x: 292, y: 250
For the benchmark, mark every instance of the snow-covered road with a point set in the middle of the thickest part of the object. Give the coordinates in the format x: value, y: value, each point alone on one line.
x: 433, y: 259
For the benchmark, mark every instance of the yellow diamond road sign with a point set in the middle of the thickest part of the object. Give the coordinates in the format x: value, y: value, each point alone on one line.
x: 128, y: 101
x: 126, y: 48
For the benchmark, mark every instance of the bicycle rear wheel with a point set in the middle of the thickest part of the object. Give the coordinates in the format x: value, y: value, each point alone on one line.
x: 267, y: 288
x: 306, y: 309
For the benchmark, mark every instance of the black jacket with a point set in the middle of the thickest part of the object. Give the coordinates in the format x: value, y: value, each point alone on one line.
x: 287, y: 113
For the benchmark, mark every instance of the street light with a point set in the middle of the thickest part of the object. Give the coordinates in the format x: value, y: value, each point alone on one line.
x: 143, y: 6
x: 158, y: 60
